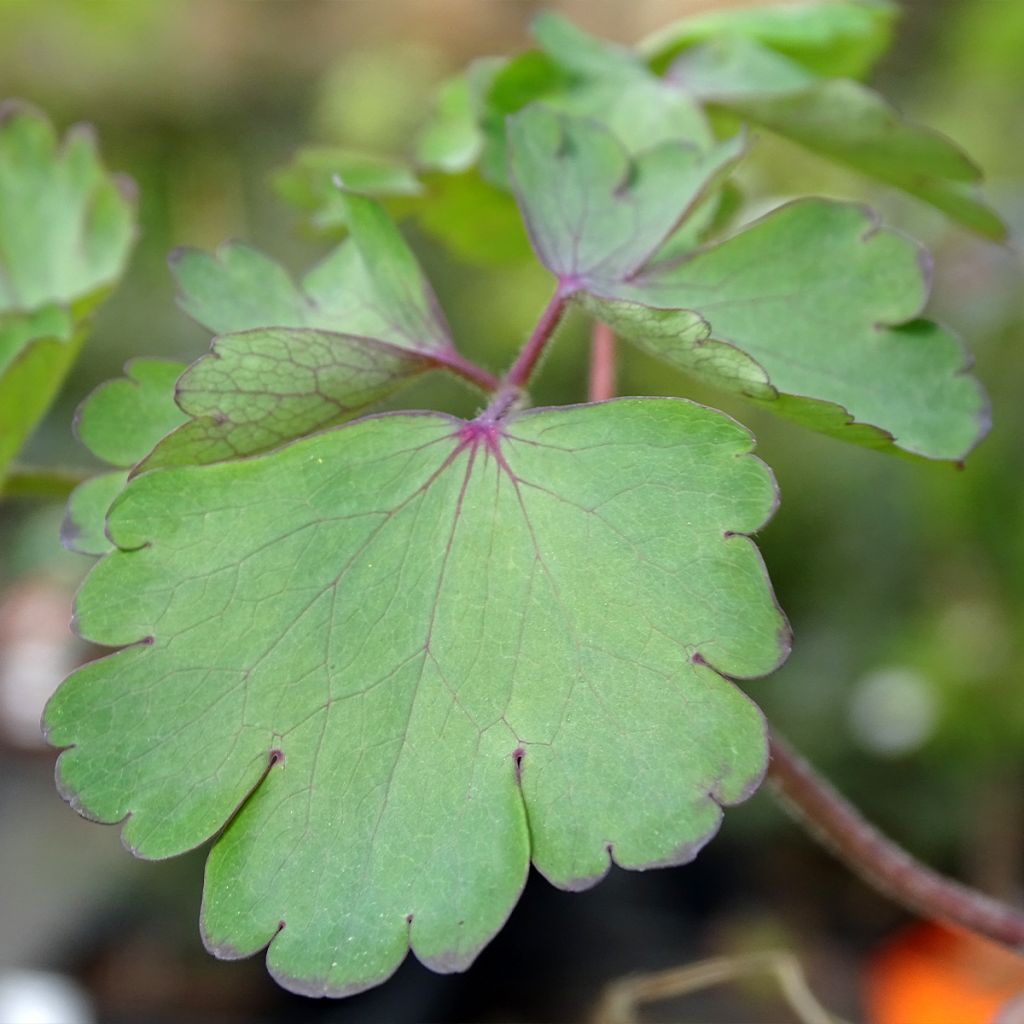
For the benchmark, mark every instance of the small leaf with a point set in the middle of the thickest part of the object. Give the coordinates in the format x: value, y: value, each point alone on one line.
x: 451, y: 140
x: 813, y: 304
x: 308, y: 184
x: 259, y: 389
x: 594, y: 214
x: 841, y: 120
x: 841, y: 38
x: 390, y: 665
x: 122, y: 420
x: 371, y: 285
x: 66, y: 228
x: 579, y: 53
x: 119, y: 422
x: 270, y: 377
x: 83, y: 529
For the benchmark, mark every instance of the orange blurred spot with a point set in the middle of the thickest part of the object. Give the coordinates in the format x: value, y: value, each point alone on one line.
x: 931, y: 974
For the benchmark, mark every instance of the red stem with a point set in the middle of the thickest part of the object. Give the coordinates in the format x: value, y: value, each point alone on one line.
x: 526, y: 362
x: 835, y: 823
x: 602, y: 363
x: 461, y: 366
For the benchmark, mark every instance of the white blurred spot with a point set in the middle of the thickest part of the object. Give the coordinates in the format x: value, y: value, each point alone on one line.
x: 36, y: 651
x: 39, y: 997
x: 892, y: 712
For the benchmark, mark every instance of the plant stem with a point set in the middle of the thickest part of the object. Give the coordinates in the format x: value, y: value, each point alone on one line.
x: 518, y: 376
x: 602, y: 363
x: 622, y: 999
x: 467, y: 369
x: 884, y: 865
x: 41, y: 482
x: 526, y: 362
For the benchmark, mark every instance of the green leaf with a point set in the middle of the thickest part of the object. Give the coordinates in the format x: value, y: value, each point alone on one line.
x: 841, y: 38
x: 593, y: 214
x: 123, y: 419
x: 259, y: 389
x: 119, y: 422
x: 308, y: 183
x: 476, y: 220
x: 814, y: 311
x: 390, y: 665
x: 841, y: 120
x: 579, y: 53
x: 451, y: 140
x: 370, y: 285
x: 362, y: 323
x: 66, y: 228
x: 610, y: 84
x: 84, y: 525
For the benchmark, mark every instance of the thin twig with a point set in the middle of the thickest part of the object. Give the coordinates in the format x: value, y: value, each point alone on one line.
x: 621, y: 1000
x: 43, y: 482
x: 602, y: 363
x: 884, y: 865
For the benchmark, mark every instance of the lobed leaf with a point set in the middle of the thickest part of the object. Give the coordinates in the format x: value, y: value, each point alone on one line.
x: 812, y: 310
x: 119, y: 423
x: 85, y: 518
x: 260, y: 389
x: 66, y: 228
x: 594, y: 214
x: 123, y: 419
x: 389, y: 666
x: 370, y: 285
x: 294, y: 359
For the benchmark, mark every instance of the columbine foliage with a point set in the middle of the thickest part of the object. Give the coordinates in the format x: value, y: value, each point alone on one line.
x: 388, y: 663
x: 66, y: 228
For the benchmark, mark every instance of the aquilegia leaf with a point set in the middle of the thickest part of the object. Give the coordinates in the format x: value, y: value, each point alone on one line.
x: 66, y: 229
x: 812, y: 311
x: 290, y: 360
x: 390, y: 665
x: 119, y: 423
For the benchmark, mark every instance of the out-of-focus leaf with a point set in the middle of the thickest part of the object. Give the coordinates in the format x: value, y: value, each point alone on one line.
x: 841, y: 120
x: 84, y: 525
x: 838, y: 38
x: 310, y: 184
x: 66, y: 229
x: 123, y: 418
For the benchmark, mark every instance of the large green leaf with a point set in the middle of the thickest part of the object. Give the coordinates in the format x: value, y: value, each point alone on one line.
x: 390, y: 665
x: 812, y: 311
x: 66, y: 228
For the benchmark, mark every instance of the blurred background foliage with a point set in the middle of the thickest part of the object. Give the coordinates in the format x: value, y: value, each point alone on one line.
x: 904, y: 581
